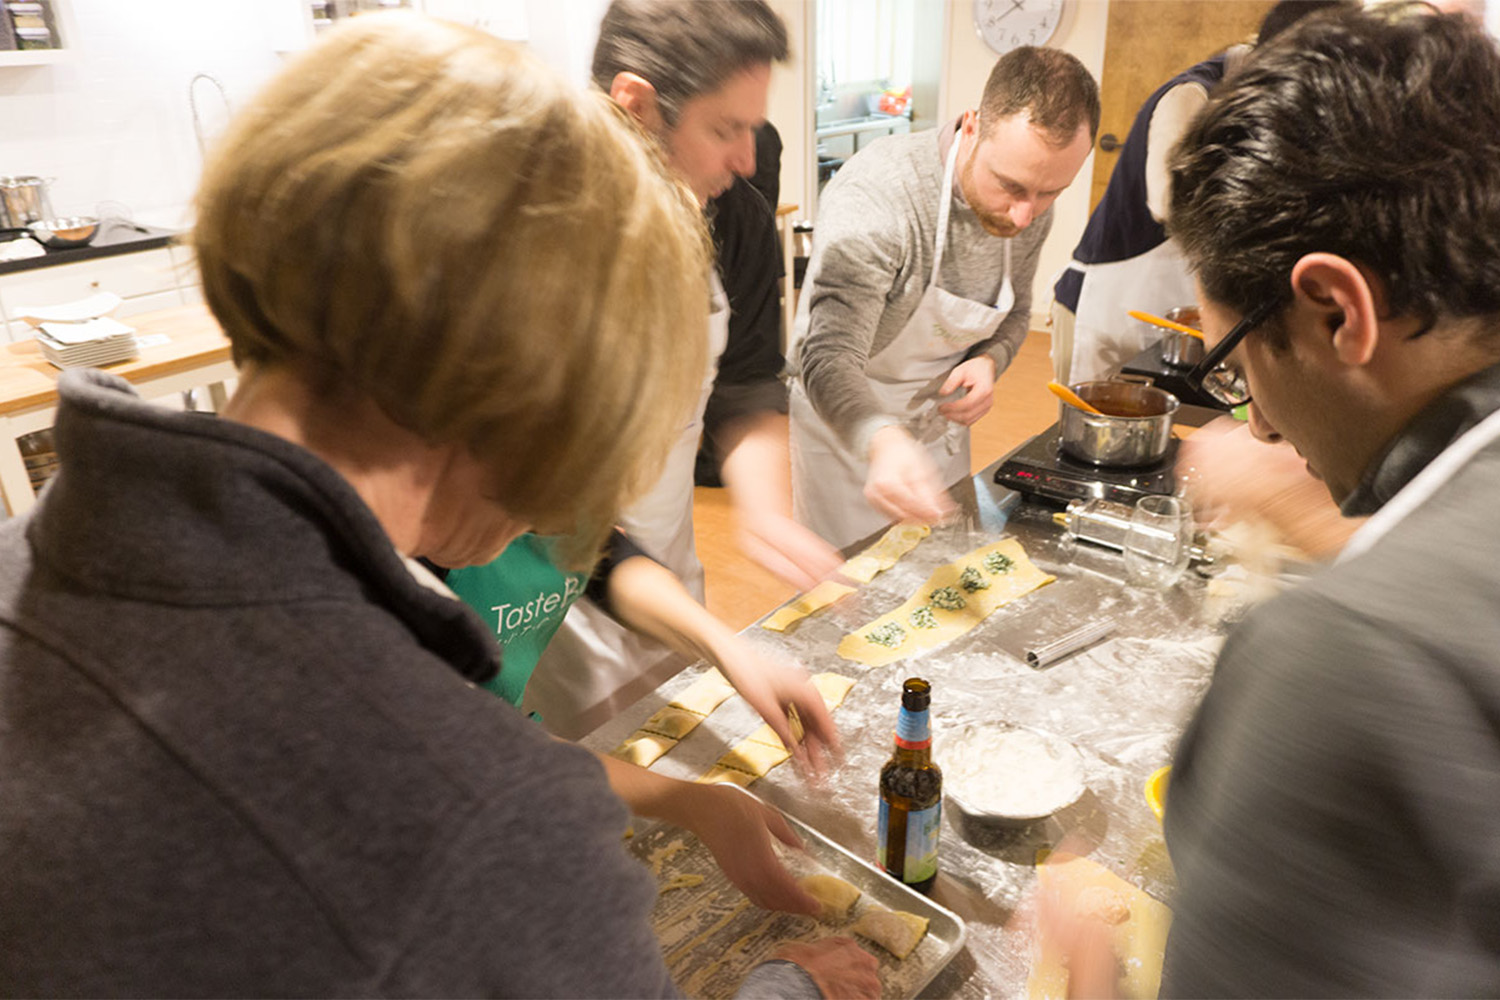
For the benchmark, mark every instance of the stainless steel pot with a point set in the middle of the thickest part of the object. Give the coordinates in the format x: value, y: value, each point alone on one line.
x: 1178, y: 349
x: 1135, y: 430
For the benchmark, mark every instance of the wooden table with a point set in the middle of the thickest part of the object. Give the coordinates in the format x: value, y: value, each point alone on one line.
x: 196, y: 354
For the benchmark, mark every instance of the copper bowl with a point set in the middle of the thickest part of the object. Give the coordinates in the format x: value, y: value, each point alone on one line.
x: 70, y: 231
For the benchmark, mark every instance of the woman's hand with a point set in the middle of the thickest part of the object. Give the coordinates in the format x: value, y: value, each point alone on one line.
x: 773, y: 687
x: 738, y: 829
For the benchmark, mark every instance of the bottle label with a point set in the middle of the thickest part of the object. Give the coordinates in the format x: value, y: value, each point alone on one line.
x: 922, y: 826
x: 913, y: 730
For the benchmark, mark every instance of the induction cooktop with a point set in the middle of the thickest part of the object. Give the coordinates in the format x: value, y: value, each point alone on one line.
x: 1039, y: 469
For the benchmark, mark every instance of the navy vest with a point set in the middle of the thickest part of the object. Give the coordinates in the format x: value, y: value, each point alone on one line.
x: 1121, y: 226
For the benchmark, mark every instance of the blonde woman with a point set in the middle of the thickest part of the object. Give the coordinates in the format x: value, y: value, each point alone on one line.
x: 242, y: 750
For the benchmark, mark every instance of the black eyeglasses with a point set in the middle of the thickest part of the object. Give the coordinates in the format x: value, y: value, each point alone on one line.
x: 1214, y: 377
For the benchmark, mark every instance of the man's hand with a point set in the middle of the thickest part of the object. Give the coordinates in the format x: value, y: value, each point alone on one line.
x: 738, y: 830
x: 903, y: 481
x: 790, y: 551
x: 771, y: 686
x: 839, y: 966
x: 978, y: 376
x: 757, y: 468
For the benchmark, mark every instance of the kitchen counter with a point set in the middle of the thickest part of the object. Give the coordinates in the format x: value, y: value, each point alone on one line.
x: 115, y: 237
x: 1123, y: 702
x: 869, y: 123
x: 181, y: 349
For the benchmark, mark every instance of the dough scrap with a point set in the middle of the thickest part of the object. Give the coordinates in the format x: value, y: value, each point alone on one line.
x: 680, y: 882
x: 894, y: 930
x: 663, y: 854
x: 682, y: 952
x: 833, y: 687
x: 673, y: 723
x: 1020, y: 579
x: 881, y: 556
x: 643, y: 749
x: 816, y: 599
x: 705, y: 694
x: 836, y: 896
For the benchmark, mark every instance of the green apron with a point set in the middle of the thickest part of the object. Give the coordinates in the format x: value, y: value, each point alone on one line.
x: 523, y: 596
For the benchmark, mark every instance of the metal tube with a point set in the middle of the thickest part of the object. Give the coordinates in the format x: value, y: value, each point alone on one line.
x: 1049, y: 653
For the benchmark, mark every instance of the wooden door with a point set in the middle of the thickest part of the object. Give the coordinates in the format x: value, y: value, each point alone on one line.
x: 1146, y: 43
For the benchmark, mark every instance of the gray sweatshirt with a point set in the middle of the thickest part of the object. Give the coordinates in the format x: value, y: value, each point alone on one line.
x: 871, y: 261
x: 242, y: 753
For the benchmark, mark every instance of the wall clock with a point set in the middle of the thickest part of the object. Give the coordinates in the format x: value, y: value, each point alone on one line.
x: 1009, y: 24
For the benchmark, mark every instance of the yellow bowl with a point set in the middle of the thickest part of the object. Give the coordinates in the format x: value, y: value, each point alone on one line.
x: 1156, y: 790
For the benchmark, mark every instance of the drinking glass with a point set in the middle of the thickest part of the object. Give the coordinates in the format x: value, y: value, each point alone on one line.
x: 1157, y: 542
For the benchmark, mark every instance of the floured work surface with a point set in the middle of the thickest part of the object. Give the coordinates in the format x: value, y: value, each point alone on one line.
x: 712, y: 936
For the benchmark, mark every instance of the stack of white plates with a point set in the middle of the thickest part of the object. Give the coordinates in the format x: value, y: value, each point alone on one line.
x: 80, y: 334
x: 89, y: 344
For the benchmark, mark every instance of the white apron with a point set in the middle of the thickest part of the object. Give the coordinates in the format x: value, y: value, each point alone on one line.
x: 1104, y: 336
x: 828, y: 479
x: 1427, y: 482
x: 594, y: 667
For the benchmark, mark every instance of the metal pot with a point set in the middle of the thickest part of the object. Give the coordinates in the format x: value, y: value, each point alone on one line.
x: 1178, y: 349
x: 1135, y: 430
x: 23, y: 200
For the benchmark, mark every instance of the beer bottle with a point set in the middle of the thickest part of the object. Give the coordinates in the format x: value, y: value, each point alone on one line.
x: 911, y: 795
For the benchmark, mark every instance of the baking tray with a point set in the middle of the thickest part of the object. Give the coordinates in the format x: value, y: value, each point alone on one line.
x: 711, y: 935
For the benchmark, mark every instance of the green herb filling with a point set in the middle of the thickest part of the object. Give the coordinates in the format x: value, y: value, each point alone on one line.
x: 971, y: 581
x: 890, y: 635
x: 923, y: 618
x: 947, y: 598
x: 999, y: 562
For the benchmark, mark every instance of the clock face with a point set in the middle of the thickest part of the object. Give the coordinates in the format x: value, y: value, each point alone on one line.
x: 1009, y: 24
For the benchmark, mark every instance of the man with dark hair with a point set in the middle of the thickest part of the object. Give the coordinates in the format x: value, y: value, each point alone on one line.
x: 1124, y: 259
x: 695, y: 77
x: 1335, y: 804
x: 918, y: 294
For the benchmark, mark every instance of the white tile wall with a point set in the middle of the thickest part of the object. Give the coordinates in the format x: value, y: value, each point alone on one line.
x: 112, y: 123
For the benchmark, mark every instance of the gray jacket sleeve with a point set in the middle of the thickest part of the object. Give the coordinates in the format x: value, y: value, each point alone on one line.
x: 860, y: 254
x: 779, y: 979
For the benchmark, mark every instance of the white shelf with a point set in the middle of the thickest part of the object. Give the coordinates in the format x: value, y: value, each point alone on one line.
x: 62, y: 25
x: 34, y: 57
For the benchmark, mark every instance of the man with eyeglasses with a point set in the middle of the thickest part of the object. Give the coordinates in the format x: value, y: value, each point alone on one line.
x: 1335, y: 804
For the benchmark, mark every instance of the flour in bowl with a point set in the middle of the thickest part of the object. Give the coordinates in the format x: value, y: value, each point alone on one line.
x: 1015, y: 773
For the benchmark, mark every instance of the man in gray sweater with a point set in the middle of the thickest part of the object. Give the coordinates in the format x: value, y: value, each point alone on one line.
x: 918, y: 294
